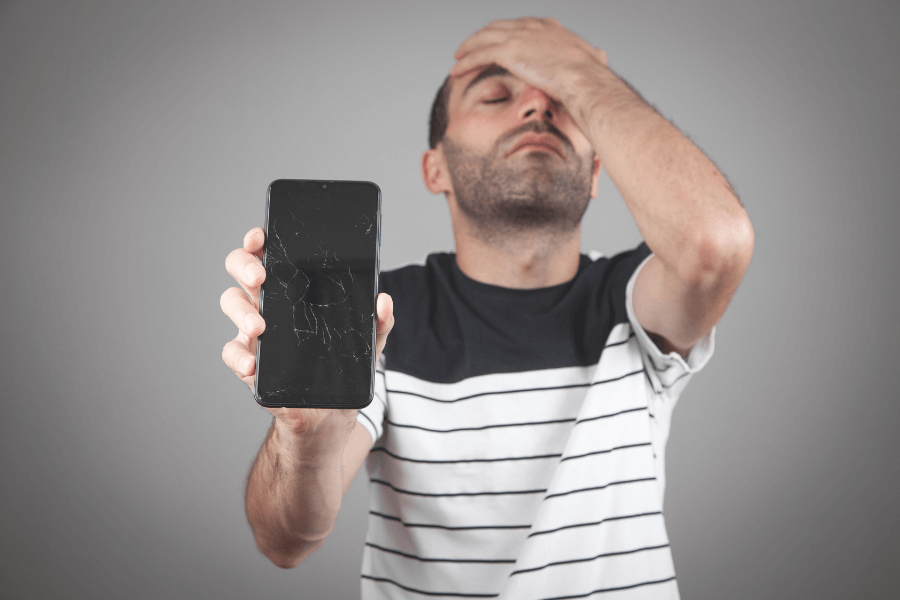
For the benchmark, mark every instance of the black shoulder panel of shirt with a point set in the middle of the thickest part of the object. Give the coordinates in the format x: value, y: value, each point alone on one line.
x: 449, y: 327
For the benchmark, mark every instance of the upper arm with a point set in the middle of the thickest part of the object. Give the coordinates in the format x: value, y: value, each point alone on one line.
x: 677, y: 314
x: 355, y: 452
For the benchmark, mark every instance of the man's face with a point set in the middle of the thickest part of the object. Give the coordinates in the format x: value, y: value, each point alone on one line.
x: 516, y: 159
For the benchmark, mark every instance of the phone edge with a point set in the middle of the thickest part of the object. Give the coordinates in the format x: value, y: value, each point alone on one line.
x: 374, y: 367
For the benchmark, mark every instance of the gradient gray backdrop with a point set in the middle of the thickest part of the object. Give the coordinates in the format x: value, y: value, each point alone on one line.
x: 136, y: 143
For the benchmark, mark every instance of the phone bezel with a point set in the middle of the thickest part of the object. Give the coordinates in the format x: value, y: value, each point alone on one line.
x: 323, y: 182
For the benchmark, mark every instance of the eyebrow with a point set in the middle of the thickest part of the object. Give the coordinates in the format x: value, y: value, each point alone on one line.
x: 492, y: 71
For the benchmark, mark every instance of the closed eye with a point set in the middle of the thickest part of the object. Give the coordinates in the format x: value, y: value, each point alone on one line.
x: 497, y: 100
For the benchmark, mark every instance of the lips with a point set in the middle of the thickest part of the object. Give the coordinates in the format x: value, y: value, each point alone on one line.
x: 537, y: 141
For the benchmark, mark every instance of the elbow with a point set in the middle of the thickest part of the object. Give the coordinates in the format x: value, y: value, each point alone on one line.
x: 288, y: 554
x: 284, y: 561
x: 721, y: 253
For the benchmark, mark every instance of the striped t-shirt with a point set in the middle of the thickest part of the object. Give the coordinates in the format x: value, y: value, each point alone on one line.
x: 519, y: 439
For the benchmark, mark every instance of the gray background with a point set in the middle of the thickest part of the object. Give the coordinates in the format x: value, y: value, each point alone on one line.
x: 136, y: 143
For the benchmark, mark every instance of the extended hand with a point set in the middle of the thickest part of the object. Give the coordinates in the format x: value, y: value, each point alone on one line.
x: 541, y: 52
x: 242, y: 307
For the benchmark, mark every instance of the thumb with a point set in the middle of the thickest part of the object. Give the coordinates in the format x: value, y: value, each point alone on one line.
x: 384, y: 312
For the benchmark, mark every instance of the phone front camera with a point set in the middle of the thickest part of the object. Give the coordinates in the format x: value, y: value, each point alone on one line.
x: 324, y: 186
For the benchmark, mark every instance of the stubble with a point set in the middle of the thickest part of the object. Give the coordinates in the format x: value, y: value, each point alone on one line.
x: 535, y: 194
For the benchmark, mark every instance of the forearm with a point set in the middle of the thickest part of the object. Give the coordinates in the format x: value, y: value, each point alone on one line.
x: 683, y: 206
x: 294, y: 494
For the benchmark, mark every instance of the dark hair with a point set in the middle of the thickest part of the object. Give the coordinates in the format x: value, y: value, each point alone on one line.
x: 439, y: 117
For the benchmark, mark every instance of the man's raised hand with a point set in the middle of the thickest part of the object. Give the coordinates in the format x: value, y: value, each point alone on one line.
x: 540, y: 52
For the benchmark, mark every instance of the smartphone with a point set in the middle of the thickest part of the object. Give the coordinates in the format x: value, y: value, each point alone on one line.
x: 321, y: 257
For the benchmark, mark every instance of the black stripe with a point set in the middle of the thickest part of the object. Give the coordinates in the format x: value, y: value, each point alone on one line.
x: 573, y: 526
x: 625, y: 341
x: 641, y: 370
x: 599, y: 487
x: 411, y: 493
x: 443, y: 560
x: 604, y: 451
x: 615, y: 589
x: 577, y: 560
x: 621, y: 412
x: 425, y: 593
x: 557, y: 421
x: 541, y: 389
x: 369, y: 420
x: 650, y: 383
x: 467, y: 460
x: 447, y: 527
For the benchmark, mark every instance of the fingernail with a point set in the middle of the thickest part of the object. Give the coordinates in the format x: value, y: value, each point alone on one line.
x: 251, y: 272
x: 251, y: 322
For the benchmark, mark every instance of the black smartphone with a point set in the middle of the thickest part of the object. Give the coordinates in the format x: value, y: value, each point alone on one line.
x: 321, y: 257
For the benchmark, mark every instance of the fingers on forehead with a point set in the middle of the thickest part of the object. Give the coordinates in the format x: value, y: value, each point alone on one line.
x: 485, y: 36
x: 496, y: 31
x: 530, y: 22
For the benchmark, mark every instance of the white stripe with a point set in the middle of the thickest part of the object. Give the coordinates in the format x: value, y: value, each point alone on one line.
x: 581, y: 578
x: 612, y: 442
x: 466, y: 510
x: 590, y: 507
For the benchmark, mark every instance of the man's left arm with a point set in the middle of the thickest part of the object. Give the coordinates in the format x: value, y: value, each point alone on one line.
x: 687, y: 213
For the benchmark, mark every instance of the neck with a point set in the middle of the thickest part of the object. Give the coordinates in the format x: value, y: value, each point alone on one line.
x: 516, y: 259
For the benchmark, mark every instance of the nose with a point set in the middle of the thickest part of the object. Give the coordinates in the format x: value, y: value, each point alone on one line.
x: 536, y: 104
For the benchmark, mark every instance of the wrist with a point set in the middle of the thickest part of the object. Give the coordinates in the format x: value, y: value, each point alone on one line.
x: 602, y: 102
x: 312, y: 446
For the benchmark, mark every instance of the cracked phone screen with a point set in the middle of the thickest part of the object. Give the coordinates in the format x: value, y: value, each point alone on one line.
x: 318, y: 299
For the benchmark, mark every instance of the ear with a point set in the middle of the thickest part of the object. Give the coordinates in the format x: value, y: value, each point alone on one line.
x: 434, y: 171
x: 595, y: 178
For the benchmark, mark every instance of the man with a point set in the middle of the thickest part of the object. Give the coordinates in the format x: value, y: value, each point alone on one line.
x: 515, y: 443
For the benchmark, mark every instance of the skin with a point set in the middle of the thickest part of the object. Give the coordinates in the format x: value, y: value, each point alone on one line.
x: 310, y: 456
x: 683, y: 206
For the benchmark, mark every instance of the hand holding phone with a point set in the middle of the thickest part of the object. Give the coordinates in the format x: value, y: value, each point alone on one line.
x: 241, y: 305
x: 243, y: 308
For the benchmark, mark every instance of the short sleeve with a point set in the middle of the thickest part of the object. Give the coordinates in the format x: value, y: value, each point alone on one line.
x: 668, y: 373
x: 372, y: 416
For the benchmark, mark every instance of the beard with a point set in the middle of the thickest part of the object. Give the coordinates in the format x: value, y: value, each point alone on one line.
x: 531, y: 193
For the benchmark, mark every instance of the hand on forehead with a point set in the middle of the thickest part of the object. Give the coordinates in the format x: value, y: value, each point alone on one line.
x: 541, y: 52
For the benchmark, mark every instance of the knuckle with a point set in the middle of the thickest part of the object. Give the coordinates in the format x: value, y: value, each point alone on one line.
x: 251, y: 235
x: 516, y: 44
x: 232, y: 259
x: 228, y: 297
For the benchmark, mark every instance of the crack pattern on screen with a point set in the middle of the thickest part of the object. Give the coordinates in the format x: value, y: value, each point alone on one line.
x: 314, y: 289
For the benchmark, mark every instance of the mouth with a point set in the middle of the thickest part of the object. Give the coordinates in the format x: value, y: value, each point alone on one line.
x: 537, y: 142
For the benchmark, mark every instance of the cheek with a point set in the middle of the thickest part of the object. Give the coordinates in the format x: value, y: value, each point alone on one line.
x: 478, y: 130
